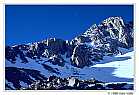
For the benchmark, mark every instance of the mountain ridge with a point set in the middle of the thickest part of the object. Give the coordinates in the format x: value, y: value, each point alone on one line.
x: 109, y: 38
x: 101, y: 37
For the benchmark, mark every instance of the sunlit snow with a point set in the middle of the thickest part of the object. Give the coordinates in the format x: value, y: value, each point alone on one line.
x: 124, y: 66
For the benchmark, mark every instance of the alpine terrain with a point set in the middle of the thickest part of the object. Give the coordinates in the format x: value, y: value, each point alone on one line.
x: 102, y: 58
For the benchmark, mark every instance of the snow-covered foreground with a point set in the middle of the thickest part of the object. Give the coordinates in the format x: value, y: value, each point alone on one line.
x: 118, y: 68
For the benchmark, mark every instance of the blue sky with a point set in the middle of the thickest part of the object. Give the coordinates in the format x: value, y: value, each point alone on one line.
x: 30, y: 23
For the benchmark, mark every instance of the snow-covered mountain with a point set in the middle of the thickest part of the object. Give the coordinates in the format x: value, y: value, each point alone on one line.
x: 100, y: 58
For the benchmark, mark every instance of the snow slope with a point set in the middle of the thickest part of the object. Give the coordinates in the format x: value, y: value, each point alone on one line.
x: 119, y: 68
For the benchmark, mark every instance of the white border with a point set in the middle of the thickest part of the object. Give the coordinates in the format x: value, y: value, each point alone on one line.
x: 1, y: 45
x: 136, y: 23
x: 66, y: 2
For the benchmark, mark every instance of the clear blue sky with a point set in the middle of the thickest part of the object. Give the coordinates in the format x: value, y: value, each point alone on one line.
x: 30, y: 23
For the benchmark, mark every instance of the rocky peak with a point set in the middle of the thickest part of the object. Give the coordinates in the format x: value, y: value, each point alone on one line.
x: 104, y: 38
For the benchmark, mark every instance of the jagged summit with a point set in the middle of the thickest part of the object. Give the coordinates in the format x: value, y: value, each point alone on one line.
x: 113, y: 27
x: 109, y: 22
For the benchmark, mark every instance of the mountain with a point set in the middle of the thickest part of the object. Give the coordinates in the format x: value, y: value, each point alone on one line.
x: 59, y: 64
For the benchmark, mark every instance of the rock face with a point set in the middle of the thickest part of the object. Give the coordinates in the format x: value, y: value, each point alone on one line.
x: 84, y: 55
x: 56, y: 46
x: 51, y: 48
